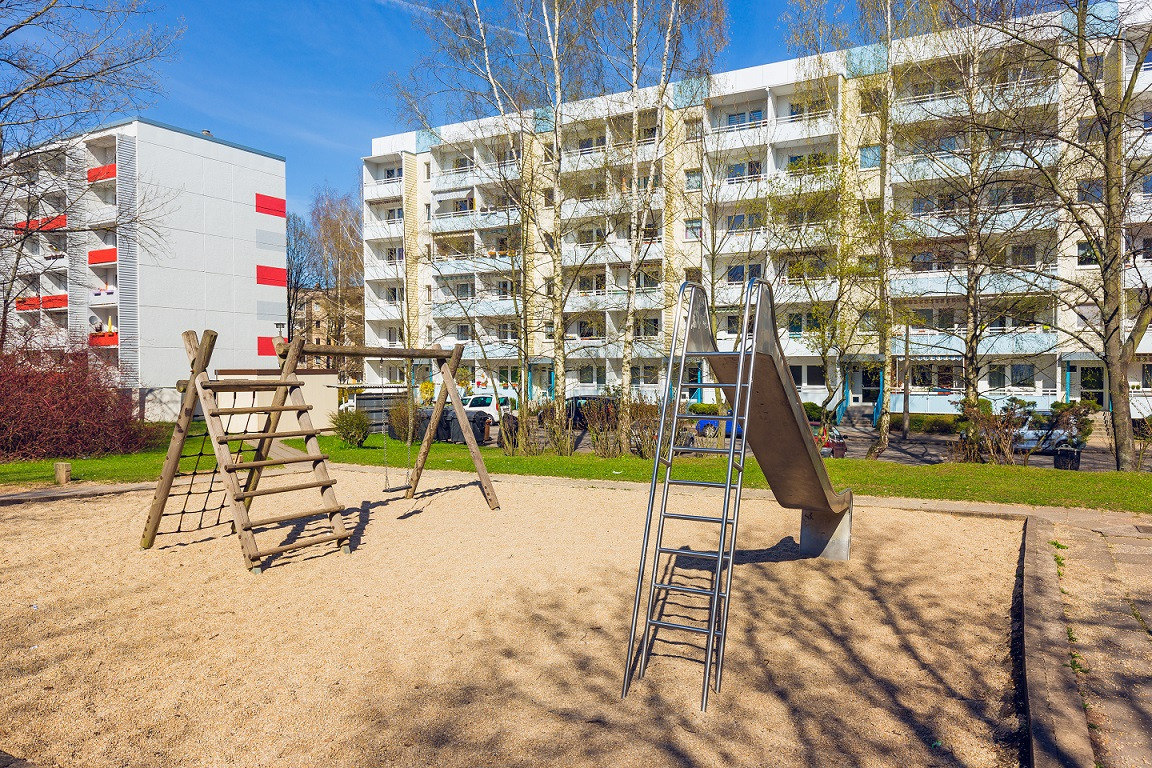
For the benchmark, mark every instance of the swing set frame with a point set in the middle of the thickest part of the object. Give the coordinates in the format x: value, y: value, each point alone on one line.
x: 447, y: 361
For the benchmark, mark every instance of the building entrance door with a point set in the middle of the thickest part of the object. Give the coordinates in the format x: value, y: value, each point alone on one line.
x: 1092, y: 383
x: 869, y: 385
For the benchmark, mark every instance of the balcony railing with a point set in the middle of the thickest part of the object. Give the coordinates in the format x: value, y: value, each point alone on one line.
x: 56, y: 301
x: 801, y: 117
x: 104, y: 339
x: 745, y: 126
x: 102, y: 173
x: 102, y: 256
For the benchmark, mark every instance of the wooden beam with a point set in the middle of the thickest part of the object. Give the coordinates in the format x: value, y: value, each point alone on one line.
x: 449, y: 384
x: 199, y: 353
x: 430, y: 432
x: 384, y: 353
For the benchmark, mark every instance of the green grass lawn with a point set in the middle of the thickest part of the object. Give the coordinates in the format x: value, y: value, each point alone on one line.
x: 965, y: 482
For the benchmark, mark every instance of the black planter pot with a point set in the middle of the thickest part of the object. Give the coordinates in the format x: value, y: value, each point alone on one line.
x: 1066, y: 458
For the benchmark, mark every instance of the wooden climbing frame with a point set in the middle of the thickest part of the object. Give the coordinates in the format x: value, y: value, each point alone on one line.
x: 447, y: 363
x: 242, y: 476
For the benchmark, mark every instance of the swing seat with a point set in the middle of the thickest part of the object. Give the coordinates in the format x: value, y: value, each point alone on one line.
x: 396, y: 488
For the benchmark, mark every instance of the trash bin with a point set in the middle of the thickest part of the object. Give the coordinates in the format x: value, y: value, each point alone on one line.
x: 1066, y: 458
x: 451, y: 426
x: 509, y: 430
x: 481, y: 425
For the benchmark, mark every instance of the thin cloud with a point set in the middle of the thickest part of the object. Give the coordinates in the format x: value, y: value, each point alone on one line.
x: 436, y: 13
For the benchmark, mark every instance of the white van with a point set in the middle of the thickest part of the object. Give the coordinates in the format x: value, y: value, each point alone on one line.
x: 487, y: 404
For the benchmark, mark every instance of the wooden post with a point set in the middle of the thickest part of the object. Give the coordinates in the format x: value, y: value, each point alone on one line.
x: 63, y: 472
x: 430, y: 432
x: 449, y: 384
x: 199, y: 353
x: 287, y: 368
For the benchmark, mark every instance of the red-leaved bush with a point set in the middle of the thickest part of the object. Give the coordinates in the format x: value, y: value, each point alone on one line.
x: 64, y: 406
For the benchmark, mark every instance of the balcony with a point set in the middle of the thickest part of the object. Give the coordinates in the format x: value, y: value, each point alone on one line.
x: 104, y: 339
x: 456, y: 178
x: 747, y: 135
x: 382, y: 309
x: 1015, y: 342
x: 46, y: 224
x: 390, y: 229
x: 916, y: 108
x: 1025, y: 217
x: 102, y: 214
x: 645, y: 151
x: 55, y: 301
x: 28, y: 304
x: 735, y: 242
x: 928, y: 283
x: 379, y: 270
x: 740, y: 188
x: 102, y: 173
x: 481, y: 306
x: 586, y: 159
x: 484, y: 218
x: 1031, y: 92
x: 793, y: 129
x: 103, y: 297
x: 102, y: 256
x: 383, y: 189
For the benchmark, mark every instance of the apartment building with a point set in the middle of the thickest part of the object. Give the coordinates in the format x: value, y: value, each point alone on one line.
x: 140, y: 231
x: 449, y: 258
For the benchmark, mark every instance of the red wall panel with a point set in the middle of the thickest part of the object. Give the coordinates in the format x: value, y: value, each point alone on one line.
x: 265, y: 346
x: 273, y: 206
x: 277, y: 276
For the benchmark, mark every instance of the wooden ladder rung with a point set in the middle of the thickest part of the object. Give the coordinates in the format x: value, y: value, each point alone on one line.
x: 293, y: 516
x: 304, y: 543
x: 242, y: 436
x: 274, y: 462
x: 284, y: 489
x: 231, y: 385
x: 259, y: 409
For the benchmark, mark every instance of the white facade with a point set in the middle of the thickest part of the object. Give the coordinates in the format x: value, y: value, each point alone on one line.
x: 162, y: 230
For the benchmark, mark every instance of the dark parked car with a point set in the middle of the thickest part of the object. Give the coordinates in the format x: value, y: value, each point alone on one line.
x: 576, y: 407
x: 711, y: 428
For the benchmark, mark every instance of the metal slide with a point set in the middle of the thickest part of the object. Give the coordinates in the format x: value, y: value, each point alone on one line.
x: 766, y: 416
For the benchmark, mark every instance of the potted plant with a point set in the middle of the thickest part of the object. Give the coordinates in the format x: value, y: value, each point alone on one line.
x: 1074, y: 419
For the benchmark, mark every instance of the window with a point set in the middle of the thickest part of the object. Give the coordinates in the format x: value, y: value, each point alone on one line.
x: 427, y: 170
x: 589, y: 144
x: 946, y: 318
x: 692, y: 229
x: 1022, y: 255
x: 394, y: 295
x: 693, y: 179
x: 737, y: 272
x: 509, y: 375
x: 1148, y: 122
x: 1145, y: 250
x: 394, y: 254
x: 922, y: 206
x: 593, y: 283
x: 647, y: 327
x: 549, y: 286
x: 549, y: 198
x: 870, y: 156
x: 648, y: 374
x: 1146, y: 376
x: 694, y: 129
x: 393, y: 214
x: 646, y: 281
x: 1086, y: 255
x: 1093, y: 68
x: 549, y: 329
x: 1146, y: 185
x: 815, y: 375
x: 870, y: 320
x: 921, y: 375
x: 507, y: 332
x: 996, y: 377
x: 463, y: 332
x: 737, y: 118
x: 871, y: 100
x: 925, y: 261
x: 921, y: 319
x: 795, y: 324
x: 1090, y: 190
x: 590, y: 329
x: 733, y: 324
x: 1023, y: 375
x: 797, y: 372
x: 465, y: 291
x: 504, y: 289
x: 740, y: 222
x: 1089, y: 129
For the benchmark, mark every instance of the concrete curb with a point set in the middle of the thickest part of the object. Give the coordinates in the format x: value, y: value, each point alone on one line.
x: 1057, y: 726
x: 39, y: 495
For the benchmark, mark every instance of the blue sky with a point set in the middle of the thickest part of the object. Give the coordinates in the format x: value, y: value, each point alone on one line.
x: 307, y: 80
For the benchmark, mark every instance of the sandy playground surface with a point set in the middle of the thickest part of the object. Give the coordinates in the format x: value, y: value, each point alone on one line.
x: 458, y: 636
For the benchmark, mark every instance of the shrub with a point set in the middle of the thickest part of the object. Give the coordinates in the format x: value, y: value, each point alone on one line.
x: 934, y: 423
x: 427, y: 392
x: 400, y: 421
x: 352, y: 427
x: 704, y: 409
x: 67, y: 406
x: 813, y: 411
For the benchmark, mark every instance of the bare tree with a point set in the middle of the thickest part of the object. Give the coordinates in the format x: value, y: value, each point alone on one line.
x: 1097, y: 52
x: 339, y: 260
x: 64, y: 69
x: 302, y: 262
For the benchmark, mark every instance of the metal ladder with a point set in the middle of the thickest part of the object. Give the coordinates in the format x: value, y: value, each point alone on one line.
x: 692, y: 328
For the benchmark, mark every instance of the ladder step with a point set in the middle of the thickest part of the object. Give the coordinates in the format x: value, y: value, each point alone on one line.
x: 698, y: 483
x: 689, y: 553
x: 304, y: 543
x: 686, y: 590
x: 274, y: 462
x: 694, y: 518
x: 232, y: 385
x: 241, y: 436
x: 285, y: 489
x: 715, y: 354
x: 702, y: 417
x: 711, y: 385
x: 293, y: 516
x: 258, y: 409
x: 685, y: 627
x: 691, y: 449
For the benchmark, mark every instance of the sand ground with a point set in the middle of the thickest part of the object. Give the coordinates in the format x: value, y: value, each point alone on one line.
x: 458, y: 636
